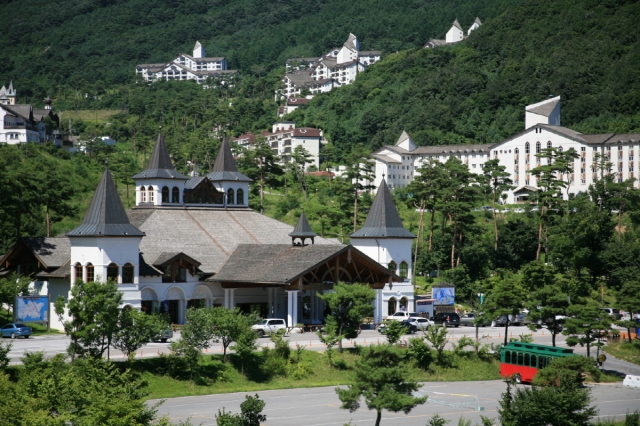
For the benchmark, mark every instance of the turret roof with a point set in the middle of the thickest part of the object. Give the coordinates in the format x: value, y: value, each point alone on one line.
x: 302, y: 229
x: 160, y: 165
x: 106, y: 216
x: 225, y: 166
x: 383, y: 220
x: 457, y: 24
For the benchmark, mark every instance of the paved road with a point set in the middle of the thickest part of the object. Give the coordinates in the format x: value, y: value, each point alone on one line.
x: 54, y: 344
x: 321, y: 406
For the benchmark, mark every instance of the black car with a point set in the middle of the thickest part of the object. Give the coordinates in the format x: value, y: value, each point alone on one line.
x: 447, y: 318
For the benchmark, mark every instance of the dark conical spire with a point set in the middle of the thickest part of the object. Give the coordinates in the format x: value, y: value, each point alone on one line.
x: 383, y: 220
x: 160, y: 158
x: 160, y: 164
x: 302, y: 230
x: 225, y: 169
x: 225, y: 161
x: 106, y: 215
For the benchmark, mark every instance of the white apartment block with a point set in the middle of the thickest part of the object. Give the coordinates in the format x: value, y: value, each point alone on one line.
x: 454, y: 35
x: 400, y: 162
x: 185, y: 67
x: 290, y: 105
x: 284, y: 138
x: 338, y: 67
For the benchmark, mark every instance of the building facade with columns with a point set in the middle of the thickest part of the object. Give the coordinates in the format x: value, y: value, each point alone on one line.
x: 192, y: 243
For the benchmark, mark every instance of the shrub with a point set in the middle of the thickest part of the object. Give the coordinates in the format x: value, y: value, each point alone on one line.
x: 4, y: 355
x: 420, y: 352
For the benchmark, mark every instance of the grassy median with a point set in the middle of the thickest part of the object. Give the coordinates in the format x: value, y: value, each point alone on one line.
x: 312, y: 369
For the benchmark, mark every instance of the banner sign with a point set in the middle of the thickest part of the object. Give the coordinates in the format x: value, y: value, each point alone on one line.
x: 444, y: 295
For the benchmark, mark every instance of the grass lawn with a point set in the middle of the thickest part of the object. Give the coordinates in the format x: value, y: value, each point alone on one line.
x: 313, y: 370
x: 625, y: 351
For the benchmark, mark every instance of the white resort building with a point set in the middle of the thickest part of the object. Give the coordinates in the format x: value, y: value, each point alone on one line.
x: 194, y: 242
x: 198, y: 68
x: 454, y: 35
x: 338, y: 67
x: 22, y: 123
x: 517, y: 153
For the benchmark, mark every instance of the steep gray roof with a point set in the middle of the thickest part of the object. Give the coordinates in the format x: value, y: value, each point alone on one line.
x: 106, y: 216
x: 273, y: 263
x: 351, y: 42
x: 160, y: 165
x: 383, y: 220
x: 457, y: 24
x: 206, y: 235
x: 302, y: 229
x: 403, y: 137
x: 225, y: 169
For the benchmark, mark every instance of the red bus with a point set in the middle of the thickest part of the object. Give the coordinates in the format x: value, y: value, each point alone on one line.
x: 523, y: 360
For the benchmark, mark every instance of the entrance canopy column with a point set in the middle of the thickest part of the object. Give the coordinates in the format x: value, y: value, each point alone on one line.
x: 292, y: 307
x: 229, y: 298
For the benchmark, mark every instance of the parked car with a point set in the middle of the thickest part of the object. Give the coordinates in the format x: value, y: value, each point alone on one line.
x: 446, y: 319
x: 506, y: 211
x: 14, y: 330
x: 535, y: 209
x: 421, y: 324
x: 469, y: 318
x: 518, y: 210
x: 614, y: 312
x: 501, y: 321
x: 402, y: 315
x: 165, y: 335
x: 268, y: 326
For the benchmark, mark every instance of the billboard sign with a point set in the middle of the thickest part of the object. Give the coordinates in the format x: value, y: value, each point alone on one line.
x: 32, y: 309
x: 444, y: 295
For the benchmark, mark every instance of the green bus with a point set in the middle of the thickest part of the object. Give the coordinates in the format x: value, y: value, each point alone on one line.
x: 523, y: 360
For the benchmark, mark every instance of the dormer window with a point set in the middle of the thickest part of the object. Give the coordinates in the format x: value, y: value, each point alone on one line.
x: 175, y: 195
x: 165, y: 194
x: 151, y: 194
x: 240, y: 196
x: 230, y: 196
x: 143, y: 194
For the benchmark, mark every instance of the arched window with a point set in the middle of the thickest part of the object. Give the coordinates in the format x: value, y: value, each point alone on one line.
x: 517, y: 151
x: 151, y: 193
x: 165, y: 194
x: 526, y: 148
x: 538, y: 147
x: 520, y: 358
x: 549, y: 145
x: 507, y: 357
x: 143, y: 194
x: 393, y: 267
x: 90, y: 274
x: 527, y: 359
x: 112, y: 272
x: 127, y: 274
x: 392, y: 306
x: 404, y: 269
x: 230, y: 197
x: 240, y: 196
x: 543, y: 362
x: 175, y: 195
x: 560, y: 148
x: 78, y: 270
x: 534, y: 361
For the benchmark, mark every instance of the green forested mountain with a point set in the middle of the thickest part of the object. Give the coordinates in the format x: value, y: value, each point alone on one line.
x: 89, y: 45
x: 586, y: 51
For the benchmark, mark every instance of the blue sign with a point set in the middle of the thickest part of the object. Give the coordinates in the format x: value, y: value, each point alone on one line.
x: 32, y: 309
x: 444, y: 295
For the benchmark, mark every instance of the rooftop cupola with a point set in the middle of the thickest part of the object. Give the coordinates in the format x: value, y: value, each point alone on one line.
x: 302, y: 231
x: 106, y: 216
x: 160, y: 184
x: 226, y: 177
x: 383, y: 220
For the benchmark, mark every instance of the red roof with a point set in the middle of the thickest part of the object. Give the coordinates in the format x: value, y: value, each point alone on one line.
x: 307, y: 132
x: 322, y: 173
x: 297, y: 101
